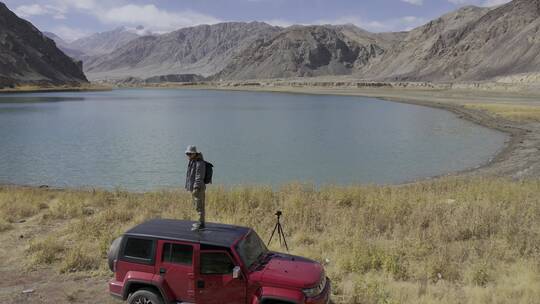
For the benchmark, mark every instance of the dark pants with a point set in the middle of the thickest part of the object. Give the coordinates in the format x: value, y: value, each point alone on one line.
x: 198, y: 204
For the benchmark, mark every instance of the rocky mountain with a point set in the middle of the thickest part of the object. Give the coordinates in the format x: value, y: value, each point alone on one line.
x: 203, y: 50
x: 105, y: 42
x: 28, y: 56
x: 470, y: 44
x: 384, y: 40
x: 64, y: 46
x: 301, y: 51
x: 57, y: 39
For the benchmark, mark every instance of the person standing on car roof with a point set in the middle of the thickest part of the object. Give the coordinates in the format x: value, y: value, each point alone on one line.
x: 195, y: 177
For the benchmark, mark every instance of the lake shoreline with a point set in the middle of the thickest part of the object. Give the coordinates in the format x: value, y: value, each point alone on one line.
x: 53, y: 89
x: 515, y: 159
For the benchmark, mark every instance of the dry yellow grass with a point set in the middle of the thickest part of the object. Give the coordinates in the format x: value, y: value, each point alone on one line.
x: 520, y: 113
x: 453, y: 240
x: 54, y: 88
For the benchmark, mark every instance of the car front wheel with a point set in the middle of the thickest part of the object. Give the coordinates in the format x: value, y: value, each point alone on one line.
x: 144, y: 296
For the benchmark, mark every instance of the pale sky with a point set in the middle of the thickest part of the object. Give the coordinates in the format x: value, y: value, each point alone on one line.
x: 71, y: 19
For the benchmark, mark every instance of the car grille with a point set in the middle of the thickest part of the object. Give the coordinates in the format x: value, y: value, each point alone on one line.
x: 322, y: 284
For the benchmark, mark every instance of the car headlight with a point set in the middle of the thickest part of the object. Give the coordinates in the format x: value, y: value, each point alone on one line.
x: 315, y: 291
x: 311, y: 292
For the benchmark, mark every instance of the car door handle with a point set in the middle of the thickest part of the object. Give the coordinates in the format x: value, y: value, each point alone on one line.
x: 200, y: 284
x: 162, y: 271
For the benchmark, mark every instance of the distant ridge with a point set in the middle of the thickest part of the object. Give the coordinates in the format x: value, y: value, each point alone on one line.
x: 301, y: 51
x: 64, y: 46
x: 29, y: 57
x: 469, y: 44
x: 104, y: 42
x: 203, y: 50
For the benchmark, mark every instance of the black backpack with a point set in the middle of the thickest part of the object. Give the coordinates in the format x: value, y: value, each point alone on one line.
x: 209, y: 172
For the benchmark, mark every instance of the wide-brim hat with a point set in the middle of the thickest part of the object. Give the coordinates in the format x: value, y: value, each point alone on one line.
x: 191, y: 150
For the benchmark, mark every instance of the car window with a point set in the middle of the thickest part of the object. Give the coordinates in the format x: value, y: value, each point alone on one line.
x: 216, y: 263
x: 251, y: 248
x: 139, y: 248
x: 177, y: 253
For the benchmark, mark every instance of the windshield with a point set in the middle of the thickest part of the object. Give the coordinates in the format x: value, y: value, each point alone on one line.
x: 251, y: 248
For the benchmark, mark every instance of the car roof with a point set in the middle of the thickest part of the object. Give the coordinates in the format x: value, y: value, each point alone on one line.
x: 180, y: 230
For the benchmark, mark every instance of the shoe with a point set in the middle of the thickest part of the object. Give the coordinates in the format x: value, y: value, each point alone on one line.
x: 197, y: 226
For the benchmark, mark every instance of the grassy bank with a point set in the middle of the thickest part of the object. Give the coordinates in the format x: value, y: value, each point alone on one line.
x: 56, y: 88
x: 519, y: 113
x: 453, y: 240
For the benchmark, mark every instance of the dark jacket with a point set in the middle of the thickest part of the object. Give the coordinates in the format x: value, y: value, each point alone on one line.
x: 195, y: 173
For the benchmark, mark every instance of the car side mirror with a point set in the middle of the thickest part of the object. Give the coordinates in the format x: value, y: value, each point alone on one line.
x: 236, y: 272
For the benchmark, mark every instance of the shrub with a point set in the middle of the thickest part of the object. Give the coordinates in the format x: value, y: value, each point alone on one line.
x: 45, y: 251
x: 80, y: 259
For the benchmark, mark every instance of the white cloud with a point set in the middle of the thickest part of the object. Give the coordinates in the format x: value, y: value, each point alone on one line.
x: 83, y: 4
x: 414, y: 2
x: 69, y: 34
x: 30, y: 10
x: 119, y: 12
x: 25, y: 11
x: 154, y: 18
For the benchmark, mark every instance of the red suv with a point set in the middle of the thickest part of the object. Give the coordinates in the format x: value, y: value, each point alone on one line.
x: 163, y: 261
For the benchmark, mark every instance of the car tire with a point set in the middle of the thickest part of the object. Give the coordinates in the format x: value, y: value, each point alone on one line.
x: 112, y: 255
x: 144, y: 296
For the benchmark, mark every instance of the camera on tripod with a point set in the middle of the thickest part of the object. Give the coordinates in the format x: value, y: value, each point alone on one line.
x: 279, y: 229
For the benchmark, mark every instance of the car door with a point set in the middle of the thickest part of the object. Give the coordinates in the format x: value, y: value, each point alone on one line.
x: 176, y: 268
x: 215, y: 282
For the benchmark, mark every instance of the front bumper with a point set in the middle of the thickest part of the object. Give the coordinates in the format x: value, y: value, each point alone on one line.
x: 323, y: 297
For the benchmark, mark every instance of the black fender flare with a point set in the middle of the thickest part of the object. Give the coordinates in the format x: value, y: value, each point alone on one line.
x: 125, y: 293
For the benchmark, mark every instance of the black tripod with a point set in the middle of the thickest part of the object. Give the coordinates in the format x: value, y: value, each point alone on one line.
x: 281, y: 234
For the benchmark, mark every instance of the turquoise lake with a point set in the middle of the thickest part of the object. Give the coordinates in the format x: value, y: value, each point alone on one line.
x: 135, y: 139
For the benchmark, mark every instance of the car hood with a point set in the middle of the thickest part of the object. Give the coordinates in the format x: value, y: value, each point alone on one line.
x: 291, y: 271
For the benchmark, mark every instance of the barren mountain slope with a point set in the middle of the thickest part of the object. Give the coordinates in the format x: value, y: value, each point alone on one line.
x: 303, y: 51
x: 103, y: 43
x: 64, y: 46
x: 28, y: 56
x: 469, y: 44
x: 385, y: 40
x: 203, y: 50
